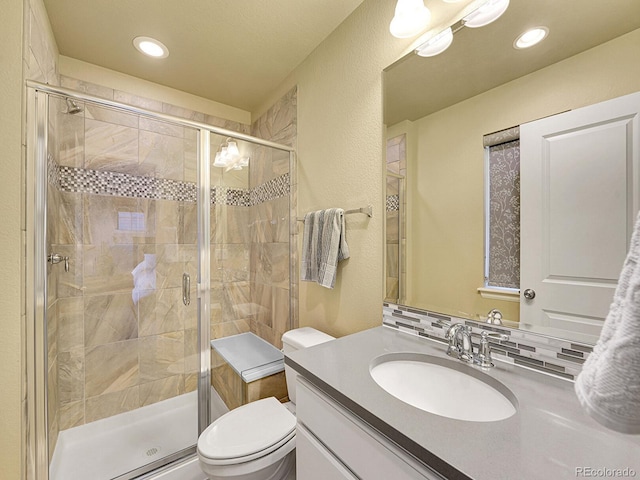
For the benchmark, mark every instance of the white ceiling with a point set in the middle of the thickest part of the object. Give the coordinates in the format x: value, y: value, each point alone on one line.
x: 234, y: 52
x: 483, y: 58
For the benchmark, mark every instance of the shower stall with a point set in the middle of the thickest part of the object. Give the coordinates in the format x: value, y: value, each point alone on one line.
x: 141, y: 249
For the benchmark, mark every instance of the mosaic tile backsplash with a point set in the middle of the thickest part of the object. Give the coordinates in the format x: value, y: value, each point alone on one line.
x: 561, y: 358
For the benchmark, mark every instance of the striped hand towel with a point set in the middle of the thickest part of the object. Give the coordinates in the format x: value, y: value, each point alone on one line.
x: 324, y: 244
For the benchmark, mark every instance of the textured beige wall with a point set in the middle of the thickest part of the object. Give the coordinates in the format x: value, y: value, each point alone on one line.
x: 10, y: 238
x: 340, y: 160
x: 446, y: 182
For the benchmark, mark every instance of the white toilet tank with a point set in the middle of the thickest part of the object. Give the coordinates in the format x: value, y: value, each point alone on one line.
x: 297, y: 339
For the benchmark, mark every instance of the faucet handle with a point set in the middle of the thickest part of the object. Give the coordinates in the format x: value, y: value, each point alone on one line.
x: 483, y: 357
x: 494, y: 316
x: 54, y: 258
x: 486, y: 334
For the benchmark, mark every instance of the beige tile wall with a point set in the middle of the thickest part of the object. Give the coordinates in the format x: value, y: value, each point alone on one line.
x: 274, y: 232
x: 231, y: 308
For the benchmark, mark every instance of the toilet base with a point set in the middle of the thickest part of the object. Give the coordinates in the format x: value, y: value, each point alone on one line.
x: 282, y: 470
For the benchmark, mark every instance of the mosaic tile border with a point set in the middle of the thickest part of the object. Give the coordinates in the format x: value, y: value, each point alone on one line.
x: 393, y: 203
x: 79, y: 180
x: 275, y: 188
x: 98, y: 182
x: 553, y: 356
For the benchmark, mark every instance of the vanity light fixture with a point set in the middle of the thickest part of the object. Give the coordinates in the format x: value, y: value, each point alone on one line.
x: 436, y: 45
x: 489, y: 12
x: 228, y: 156
x: 531, y: 37
x: 151, y: 47
x: 411, y: 17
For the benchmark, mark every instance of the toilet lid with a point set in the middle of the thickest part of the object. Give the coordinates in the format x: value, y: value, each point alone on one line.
x: 247, y: 430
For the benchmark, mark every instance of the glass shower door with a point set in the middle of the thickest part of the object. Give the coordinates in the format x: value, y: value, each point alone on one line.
x: 127, y: 219
x: 250, y: 271
x: 123, y: 354
x: 395, y: 221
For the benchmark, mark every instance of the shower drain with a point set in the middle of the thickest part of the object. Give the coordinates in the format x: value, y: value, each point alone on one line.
x: 153, y: 451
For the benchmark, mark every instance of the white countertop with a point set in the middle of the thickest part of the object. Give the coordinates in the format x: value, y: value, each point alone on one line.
x: 549, y: 437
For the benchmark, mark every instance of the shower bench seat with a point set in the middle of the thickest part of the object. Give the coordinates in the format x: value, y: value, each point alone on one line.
x: 245, y: 368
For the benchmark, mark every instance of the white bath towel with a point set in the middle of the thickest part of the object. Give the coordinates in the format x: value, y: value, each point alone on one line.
x: 324, y: 244
x: 608, y: 386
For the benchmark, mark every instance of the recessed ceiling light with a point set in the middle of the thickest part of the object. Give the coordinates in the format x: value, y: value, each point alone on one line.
x: 151, y: 47
x: 531, y: 37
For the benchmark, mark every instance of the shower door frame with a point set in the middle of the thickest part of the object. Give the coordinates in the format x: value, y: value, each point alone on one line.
x: 35, y: 346
x: 402, y: 179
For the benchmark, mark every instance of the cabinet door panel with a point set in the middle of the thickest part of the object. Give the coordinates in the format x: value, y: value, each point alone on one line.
x: 367, y: 453
x: 315, y: 462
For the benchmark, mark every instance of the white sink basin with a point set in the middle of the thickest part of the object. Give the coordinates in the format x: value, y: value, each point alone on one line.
x: 444, y: 387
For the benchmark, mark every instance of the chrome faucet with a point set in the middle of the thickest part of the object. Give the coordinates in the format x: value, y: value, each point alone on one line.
x: 460, y: 345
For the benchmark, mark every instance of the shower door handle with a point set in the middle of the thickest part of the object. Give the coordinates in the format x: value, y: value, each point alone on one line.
x: 186, y: 289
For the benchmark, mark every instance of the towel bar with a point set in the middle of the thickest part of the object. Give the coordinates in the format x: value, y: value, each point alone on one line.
x: 368, y: 211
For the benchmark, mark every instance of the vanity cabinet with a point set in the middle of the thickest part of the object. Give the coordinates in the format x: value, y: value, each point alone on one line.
x: 332, y: 443
x: 315, y: 462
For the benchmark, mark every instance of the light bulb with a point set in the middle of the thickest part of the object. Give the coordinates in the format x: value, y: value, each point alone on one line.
x: 437, y: 44
x: 219, y: 161
x: 232, y: 149
x: 411, y: 17
x: 489, y: 12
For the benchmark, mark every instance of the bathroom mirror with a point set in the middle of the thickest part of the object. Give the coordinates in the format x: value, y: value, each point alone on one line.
x: 442, y: 106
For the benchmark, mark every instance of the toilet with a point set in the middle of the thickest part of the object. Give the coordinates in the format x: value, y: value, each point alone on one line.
x: 257, y: 441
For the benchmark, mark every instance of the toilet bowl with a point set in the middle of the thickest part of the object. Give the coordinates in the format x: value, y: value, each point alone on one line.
x: 257, y: 441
